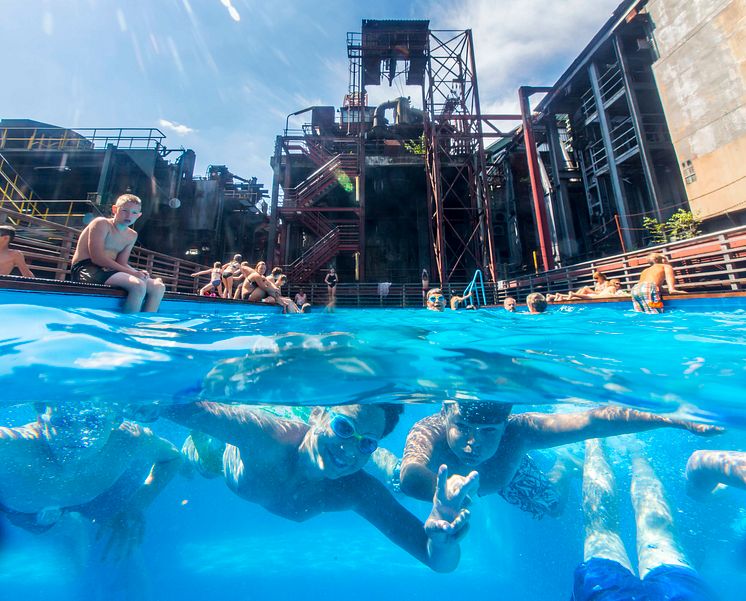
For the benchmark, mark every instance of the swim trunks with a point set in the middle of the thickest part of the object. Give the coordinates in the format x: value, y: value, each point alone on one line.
x: 605, y: 580
x: 88, y: 272
x: 531, y: 491
x: 646, y: 298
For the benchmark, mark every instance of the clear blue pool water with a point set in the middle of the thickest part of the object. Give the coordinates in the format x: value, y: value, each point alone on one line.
x: 203, y: 542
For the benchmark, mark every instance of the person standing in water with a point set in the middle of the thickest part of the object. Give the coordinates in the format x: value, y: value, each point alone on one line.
x: 103, y: 252
x: 331, y: 281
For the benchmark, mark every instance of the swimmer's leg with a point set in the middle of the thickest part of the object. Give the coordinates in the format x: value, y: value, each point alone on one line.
x: 204, y: 453
x: 600, y: 508
x: 566, y: 467
x: 656, y: 544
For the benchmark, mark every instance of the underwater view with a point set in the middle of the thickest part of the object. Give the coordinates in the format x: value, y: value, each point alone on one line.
x: 260, y: 456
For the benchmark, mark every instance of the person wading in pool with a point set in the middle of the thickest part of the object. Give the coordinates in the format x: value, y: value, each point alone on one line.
x: 298, y: 470
x: 484, y: 436
x: 103, y: 252
x: 509, y: 304
x: 84, y: 459
x: 435, y: 301
x: 646, y: 294
x: 606, y: 574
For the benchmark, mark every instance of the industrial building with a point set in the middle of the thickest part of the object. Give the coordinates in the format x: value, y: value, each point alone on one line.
x: 71, y: 176
x: 648, y: 119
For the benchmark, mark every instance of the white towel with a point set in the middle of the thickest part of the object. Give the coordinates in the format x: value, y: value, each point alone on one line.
x: 383, y: 288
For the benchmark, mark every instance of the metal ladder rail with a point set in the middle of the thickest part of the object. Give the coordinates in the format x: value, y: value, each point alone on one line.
x: 478, y: 287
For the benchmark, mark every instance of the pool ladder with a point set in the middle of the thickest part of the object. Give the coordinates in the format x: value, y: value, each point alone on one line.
x: 476, y: 285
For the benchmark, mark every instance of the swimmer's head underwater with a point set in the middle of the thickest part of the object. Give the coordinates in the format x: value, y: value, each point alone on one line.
x: 341, y: 440
x: 474, y: 429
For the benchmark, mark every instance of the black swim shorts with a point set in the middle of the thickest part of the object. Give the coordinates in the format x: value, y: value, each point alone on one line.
x: 88, y: 272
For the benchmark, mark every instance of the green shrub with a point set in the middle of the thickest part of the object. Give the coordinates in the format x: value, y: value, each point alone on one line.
x: 682, y: 225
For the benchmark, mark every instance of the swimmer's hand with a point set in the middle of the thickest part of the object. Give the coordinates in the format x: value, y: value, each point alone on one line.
x: 701, y: 429
x: 449, y: 517
x: 125, y: 532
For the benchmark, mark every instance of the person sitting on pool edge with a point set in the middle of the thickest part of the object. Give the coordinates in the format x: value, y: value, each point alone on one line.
x: 103, y: 252
x: 606, y: 573
x: 435, y: 301
x: 11, y: 259
x: 84, y: 459
x: 298, y: 470
x: 509, y: 304
x: 646, y: 294
x: 536, y: 303
x: 484, y: 436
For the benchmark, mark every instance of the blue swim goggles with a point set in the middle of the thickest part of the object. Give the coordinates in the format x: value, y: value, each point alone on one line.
x: 343, y: 427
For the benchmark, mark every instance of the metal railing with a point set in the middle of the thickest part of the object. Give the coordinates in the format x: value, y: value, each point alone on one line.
x: 49, y: 247
x: 86, y: 138
x: 709, y: 263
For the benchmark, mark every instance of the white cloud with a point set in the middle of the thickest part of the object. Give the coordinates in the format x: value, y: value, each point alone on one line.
x: 177, y: 128
x: 517, y: 42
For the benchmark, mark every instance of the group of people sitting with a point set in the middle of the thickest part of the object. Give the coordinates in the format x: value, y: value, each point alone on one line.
x: 104, y: 247
x: 95, y: 462
x: 250, y: 284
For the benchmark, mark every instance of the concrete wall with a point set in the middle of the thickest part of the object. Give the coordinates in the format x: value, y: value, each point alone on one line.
x: 701, y: 76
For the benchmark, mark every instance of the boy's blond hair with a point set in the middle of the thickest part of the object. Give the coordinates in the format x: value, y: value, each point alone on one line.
x: 127, y: 198
x: 538, y: 301
x: 656, y: 258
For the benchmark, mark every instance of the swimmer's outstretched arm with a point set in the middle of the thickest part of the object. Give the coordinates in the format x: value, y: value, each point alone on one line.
x: 540, y: 430
x: 705, y: 470
x: 166, y: 461
x: 417, y: 478
x: 234, y: 424
x: 436, y: 543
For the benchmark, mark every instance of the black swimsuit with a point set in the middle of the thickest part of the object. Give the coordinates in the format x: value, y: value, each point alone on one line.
x: 88, y: 272
x: 331, y: 280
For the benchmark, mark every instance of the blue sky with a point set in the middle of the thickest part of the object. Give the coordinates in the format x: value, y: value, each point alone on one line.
x: 219, y: 76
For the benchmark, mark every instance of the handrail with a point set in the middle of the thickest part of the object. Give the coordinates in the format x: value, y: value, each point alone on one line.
x: 472, y: 286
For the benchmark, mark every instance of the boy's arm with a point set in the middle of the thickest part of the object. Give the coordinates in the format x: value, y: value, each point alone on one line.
x: 417, y: 479
x: 705, y: 470
x: 19, y: 261
x: 96, y: 249
x: 671, y: 280
x: 166, y: 461
x: 234, y: 424
x: 538, y: 430
x: 436, y: 543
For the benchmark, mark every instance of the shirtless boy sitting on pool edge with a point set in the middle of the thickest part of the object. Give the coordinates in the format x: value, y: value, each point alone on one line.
x: 103, y: 253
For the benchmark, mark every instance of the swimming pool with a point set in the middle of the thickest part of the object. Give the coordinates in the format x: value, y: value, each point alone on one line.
x: 204, y: 542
